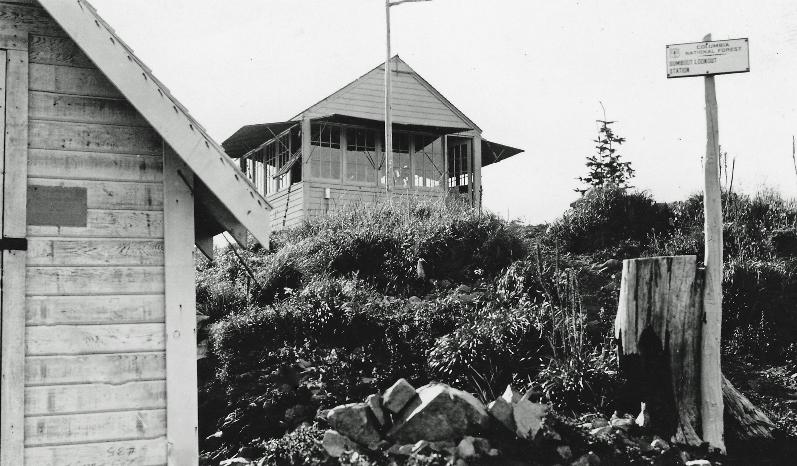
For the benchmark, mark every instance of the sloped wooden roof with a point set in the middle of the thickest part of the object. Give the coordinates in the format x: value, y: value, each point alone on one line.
x: 414, y: 100
x: 217, y: 172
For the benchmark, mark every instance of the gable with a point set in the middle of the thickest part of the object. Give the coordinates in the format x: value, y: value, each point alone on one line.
x: 414, y: 101
x: 233, y: 203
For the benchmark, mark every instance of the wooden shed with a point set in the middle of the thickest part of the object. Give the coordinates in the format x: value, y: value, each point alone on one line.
x: 332, y: 153
x: 106, y: 184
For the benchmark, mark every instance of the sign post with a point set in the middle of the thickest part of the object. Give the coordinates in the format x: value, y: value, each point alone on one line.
x: 709, y: 58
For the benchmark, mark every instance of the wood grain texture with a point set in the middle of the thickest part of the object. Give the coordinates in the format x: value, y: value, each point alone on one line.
x: 28, y: 19
x: 94, y: 280
x: 14, y: 186
x: 181, y: 350
x: 79, y: 109
x: 109, y: 223
x: 12, y: 340
x: 94, y: 339
x: 87, y: 137
x: 47, y: 163
x: 119, y: 309
x: 92, y: 398
x: 79, y: 428
x: 100, y: 368
x: 150, y: 452
x: 661, y: 307
x: 48, y: 50
x: 71, y: 80
x: 113, y: 195
x: 711, y: 373
x: 95, y: 252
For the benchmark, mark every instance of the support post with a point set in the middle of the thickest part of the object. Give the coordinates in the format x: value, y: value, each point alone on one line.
x: 388, y: 117
x: 477, y: 171
x: 710, y: 372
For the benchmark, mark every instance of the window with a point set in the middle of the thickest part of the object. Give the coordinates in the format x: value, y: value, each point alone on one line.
x: 361, y: 156
x: 458, y: 162
x: 401, y: 160
x: 427, y: 161
x: 269, y: 158
x: 283, y: 150
x: 325, y: 158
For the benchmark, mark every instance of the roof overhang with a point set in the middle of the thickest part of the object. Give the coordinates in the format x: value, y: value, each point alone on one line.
x: 493, y: 152
x: 251, y: 138
x: 224, y: 192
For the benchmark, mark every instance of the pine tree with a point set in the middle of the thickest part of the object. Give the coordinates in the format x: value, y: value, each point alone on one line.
x: 606, y: 168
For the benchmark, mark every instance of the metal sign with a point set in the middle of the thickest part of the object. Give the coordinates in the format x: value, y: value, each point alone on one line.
x: 708, y: 58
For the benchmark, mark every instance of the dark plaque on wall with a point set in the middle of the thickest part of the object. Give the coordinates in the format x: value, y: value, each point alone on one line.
x: 57, y: 206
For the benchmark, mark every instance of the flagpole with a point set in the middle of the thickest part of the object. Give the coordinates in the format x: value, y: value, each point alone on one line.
x: 388, y: 149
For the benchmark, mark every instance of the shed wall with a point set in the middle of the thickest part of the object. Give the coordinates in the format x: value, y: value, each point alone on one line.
x: 95, y: 390
x: 288, y: 207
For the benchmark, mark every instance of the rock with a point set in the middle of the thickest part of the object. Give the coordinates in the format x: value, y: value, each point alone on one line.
x: 234, y: 461
x: 445, y: 446
x: 698, y: 463
x: 415, y: 300
x: 481, y: 444
x: 643, y: 419
x: 510, y: 395
x: 587, y: 459
x: 528, y: 417
x: 659, y: 444
x: 396, y: 397
x: 335, y: 444
x: 600, y: 431
x: 439, y: 412
x: 419, y: 446
x: 622, y: 423
x: 375, y: 403
x: 599, y: 422
x: 501, y: 411
x: 466, y: 449
x: 356, y: 422
x: 565, y: 452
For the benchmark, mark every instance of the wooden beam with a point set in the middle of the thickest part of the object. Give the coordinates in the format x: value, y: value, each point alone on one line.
x: 180, y: 131
x: 477, y: 171
x: 12, y: 305
x: 181, y: 372
x: 711, y: 373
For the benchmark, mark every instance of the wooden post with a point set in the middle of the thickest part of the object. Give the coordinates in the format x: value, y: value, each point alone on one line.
x: 388, y: 119
x: 710, y: 373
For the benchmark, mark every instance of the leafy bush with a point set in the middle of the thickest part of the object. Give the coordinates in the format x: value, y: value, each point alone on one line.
x: 609, y: 219
x: 758, y: 309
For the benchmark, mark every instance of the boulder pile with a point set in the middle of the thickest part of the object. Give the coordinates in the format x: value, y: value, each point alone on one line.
x: 433, y: 418
x: 437, y: 419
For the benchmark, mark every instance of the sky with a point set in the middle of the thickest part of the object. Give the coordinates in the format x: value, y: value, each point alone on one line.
x: 531, y: 74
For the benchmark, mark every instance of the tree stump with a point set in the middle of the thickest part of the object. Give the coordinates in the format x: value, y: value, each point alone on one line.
x: 658, y: 330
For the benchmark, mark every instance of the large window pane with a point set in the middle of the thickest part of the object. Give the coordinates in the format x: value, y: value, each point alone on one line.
x: 325, y: 158
x: 428, y: 161
x: 361, y: 155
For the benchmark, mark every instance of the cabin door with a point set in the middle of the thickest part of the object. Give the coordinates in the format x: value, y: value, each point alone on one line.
x: 13, y: 246
x: 460, y: 163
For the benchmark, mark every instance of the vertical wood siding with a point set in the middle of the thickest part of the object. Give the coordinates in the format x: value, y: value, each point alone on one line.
x: 95, y: 371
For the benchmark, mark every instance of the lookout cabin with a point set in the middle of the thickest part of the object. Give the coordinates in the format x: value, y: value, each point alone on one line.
x: 106, y: 185
x: 332, y: 153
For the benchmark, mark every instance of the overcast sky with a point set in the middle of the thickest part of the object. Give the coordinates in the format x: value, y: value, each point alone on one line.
x: 530, y: 73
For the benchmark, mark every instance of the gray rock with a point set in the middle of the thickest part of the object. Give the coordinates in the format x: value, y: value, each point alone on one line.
x: 375, y: 403
x: 643, y: 419
x: 439, y: 412
x: 599, y: 431
x: 565, y: 452
x: 396, y: 397
x: 510, y: 395
x: 599, y: 422
x: 466, y: 449
x: 501, y: 411
x: 356, y: 422
x: 335, y: 443
x: 659, y: 444
x: 588, y: 459
x: 528, y: 417
x: 698, y: 463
